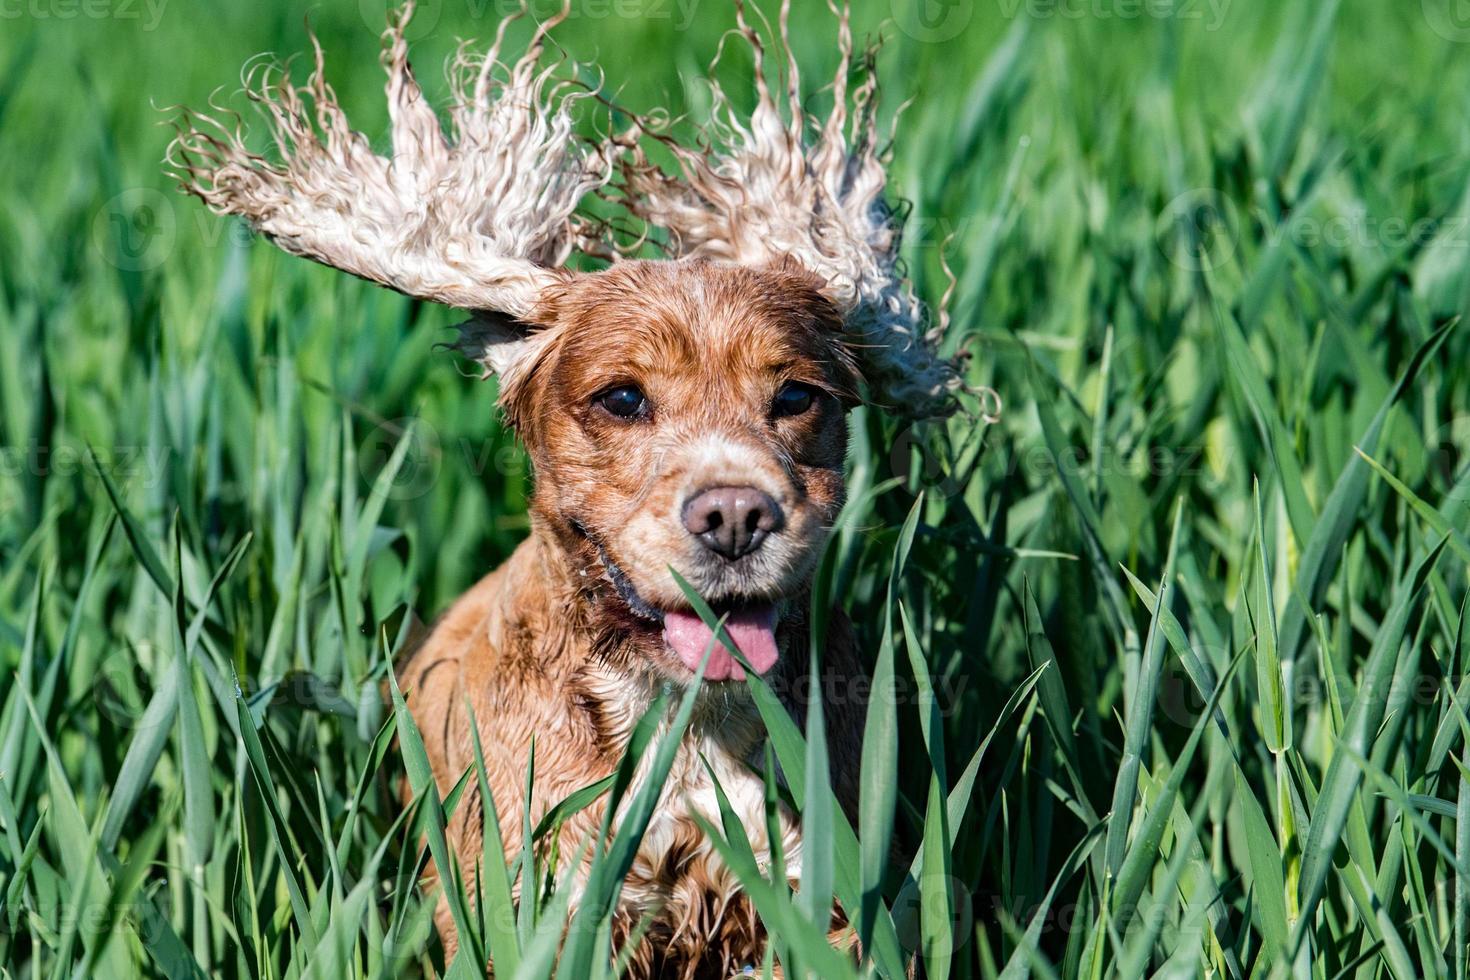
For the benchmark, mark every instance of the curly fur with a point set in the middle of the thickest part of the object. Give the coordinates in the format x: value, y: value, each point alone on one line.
x: 484, y: 218
x: 481, y: 220
x: 787, y: 184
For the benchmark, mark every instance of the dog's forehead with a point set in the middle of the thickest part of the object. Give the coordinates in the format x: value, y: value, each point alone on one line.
x: 694, y: 317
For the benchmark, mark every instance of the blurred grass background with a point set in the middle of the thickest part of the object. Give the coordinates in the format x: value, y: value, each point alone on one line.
x: 1203, y: 251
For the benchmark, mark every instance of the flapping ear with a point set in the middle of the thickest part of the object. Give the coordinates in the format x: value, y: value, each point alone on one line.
x: 480, y: 218
x: 513, y: 351
x: 504, y: 346
x: 786, y: 184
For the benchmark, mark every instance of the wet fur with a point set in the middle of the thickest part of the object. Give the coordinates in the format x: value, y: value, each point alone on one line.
x: 546, y: 645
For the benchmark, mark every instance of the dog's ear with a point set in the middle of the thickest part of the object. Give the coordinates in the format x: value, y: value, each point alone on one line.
x: 806, y: 294
x: 479, y: 215
x: 503, y: 345
x: 512, y: 350
x: 782, y: 182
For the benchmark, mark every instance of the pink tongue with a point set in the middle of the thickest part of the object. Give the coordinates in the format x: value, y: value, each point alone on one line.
x: 753, y: 630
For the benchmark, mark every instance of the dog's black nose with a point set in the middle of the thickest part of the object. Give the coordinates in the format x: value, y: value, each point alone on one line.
x: 731, y: 521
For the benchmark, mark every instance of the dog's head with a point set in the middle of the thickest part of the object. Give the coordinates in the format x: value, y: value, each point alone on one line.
x: 689, y: 415
x: 684, y: 413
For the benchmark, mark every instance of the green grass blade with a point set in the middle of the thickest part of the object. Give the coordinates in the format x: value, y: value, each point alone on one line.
x: 1341, y: 781
x: 423, y: 786
x: 879, y: 793
x: 1140, y: 714
x: 1133, y: 876
x: 1317, y: 564
x: 495, y: 891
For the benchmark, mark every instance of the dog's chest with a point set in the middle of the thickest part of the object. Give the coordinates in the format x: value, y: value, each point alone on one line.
x: 676, y: 863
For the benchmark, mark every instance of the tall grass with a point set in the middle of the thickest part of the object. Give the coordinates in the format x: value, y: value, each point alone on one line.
x: 1169, y: 661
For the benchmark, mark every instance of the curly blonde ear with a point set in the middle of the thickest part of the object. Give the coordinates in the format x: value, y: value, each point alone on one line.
x: 479, y: 219
x: 786, y: 184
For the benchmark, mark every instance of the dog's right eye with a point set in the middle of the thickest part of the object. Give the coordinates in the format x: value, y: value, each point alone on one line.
x: 624, y: 402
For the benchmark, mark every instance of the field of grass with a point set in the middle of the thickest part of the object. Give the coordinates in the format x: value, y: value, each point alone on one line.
x: 1177, y: 646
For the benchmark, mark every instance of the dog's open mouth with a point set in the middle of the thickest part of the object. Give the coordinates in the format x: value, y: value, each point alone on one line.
x: 750, y: 626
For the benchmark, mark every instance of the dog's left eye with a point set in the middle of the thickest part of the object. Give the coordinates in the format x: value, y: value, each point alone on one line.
x: 624, y: 401
x: 794, y: 398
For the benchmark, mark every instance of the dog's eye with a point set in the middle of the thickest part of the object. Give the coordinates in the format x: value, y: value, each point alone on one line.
x: 624, y: 401
x: 794, y: 398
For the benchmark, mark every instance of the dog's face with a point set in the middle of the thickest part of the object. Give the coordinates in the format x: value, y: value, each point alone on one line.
x: 692, y: 415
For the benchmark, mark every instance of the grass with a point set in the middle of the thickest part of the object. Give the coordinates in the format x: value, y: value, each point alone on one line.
x: 1175, y: 649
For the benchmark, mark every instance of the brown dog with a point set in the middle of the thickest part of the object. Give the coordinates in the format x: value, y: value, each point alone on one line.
x: 689, y: 415
x: 685, y: 414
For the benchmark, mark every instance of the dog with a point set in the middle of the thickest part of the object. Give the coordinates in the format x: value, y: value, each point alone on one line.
x: 684, y: 413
